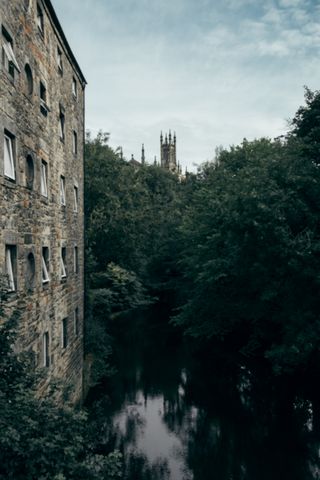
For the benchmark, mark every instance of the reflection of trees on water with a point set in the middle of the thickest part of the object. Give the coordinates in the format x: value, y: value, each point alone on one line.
x: 138, y: 467
x: 232, y: 425
x: 244, y: 433
x: 129, y: 434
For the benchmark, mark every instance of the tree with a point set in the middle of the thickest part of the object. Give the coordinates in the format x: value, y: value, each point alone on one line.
x: 132, y: 216
x: 40, y: 439
x: 130, y: 212
x: 306, y: 125
x: 251, y: 255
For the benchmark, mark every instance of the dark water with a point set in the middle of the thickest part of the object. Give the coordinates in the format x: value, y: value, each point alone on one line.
x: 179, y: 418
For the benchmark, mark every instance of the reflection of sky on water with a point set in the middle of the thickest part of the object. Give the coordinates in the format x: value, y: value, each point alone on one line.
x: 177, y: 418
x: 152, y: 437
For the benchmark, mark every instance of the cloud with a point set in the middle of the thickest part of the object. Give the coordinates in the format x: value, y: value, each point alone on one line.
x: 213, y: 71
x: 292, y: 3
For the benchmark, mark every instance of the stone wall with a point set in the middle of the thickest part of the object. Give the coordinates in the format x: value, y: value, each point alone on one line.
x: 30, y: 220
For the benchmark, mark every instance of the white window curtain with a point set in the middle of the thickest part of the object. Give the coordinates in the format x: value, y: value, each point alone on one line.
x: 9, y: 270
x: 40, y: 19
x: 44, y: 178
x: 7, y: 47
x: 61, y: 124
x: 74, y: 88
x: 9, y: 169
x: 59, y: 58
x: 63, y: 267
x: 45, y: 274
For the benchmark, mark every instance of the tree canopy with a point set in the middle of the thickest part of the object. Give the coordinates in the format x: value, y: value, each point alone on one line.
x: 251, y: 248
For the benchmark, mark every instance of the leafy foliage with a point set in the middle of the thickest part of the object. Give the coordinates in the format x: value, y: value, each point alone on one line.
x: 38, y: 438
x: 132, y: 216
x: 306, y: 125
x: 130, y: 211
x: 251, y: 249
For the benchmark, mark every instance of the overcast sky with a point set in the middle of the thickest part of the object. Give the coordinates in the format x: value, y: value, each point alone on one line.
x: 214, y: 71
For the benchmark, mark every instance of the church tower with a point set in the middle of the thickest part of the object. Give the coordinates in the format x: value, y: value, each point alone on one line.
x: 168, y: 152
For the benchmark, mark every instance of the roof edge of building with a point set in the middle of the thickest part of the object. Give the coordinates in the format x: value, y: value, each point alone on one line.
x: 57, y: 24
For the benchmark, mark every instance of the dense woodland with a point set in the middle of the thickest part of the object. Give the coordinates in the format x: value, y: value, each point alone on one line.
x: 231, y: 254
x: 233, y: 250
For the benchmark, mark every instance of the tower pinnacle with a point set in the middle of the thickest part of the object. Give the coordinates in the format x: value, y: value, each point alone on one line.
x: 168, y: 152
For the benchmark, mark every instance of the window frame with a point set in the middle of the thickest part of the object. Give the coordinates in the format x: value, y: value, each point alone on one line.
x: 9, y: 152
x: 29, y: 79
x: 74, y: 88
x: 76, y: 319
x: 46, y: 350
x: 11, y: 267
x: 59, y: 60
x: 45, y: 265
x: 75, y: 199
x: 75, y: 259
x: 29, y: 171
x: 74, y: 142
x: 63, y: 263
x: 40, y: 19
x: 9, y: 60
x: 64, y: 333
x: 30, y: 271
x: 44, y: 109
x: 44, y: 178
x: 62, y: 123
x: 62, y: 191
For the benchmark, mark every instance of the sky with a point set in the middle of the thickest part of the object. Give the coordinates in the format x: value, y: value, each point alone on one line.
x: 213, y: 71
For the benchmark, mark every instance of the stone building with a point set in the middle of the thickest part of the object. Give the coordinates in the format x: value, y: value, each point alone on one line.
x: 41, y: 187
x: 168, y: 153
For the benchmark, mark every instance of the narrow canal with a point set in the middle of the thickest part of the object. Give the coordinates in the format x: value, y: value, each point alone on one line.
x: 175, y: 419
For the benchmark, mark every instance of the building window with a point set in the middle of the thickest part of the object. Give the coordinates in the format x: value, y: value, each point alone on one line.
x: 64, y: 336
x: 62, y: 190
x: 76, y: 321
x: 44, y: 109
x: 11, y: 267
x: 75, y: 260
x: 9, y: 60
x: 29, y: 79
x: 74, y: 142
x: 74, y: 88
x: 75, y: 198
x: 46, y: 349
x: 45, y: 265
x: 59, y: 60
x: 9, y: 167
x: 63, y: 261
x: 29, y: 172
x: 31, y: 271
x: 40, y: 20
x: 44, y: 179
x: 61, y: 123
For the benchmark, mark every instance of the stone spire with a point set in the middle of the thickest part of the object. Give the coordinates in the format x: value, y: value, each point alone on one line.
x: 168, y: 152
x: 143, y: 158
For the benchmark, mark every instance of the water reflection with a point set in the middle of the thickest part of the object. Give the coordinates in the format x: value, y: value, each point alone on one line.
x: 149, y: 445
x: 175, y: 420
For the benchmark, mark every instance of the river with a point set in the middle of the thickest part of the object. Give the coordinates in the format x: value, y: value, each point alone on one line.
x: 176, y: 419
